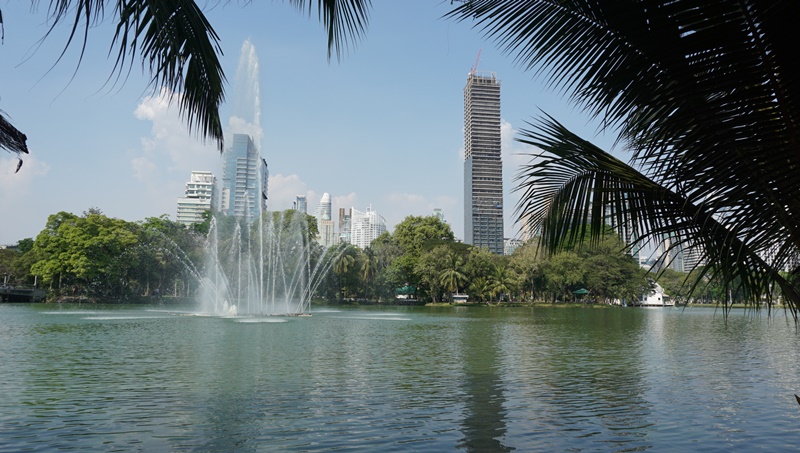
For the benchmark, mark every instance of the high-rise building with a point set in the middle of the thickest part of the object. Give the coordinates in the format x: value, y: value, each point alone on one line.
x: 323, y: 211
x: 244, y: 180
x: 437, y: 212
x: 301, y: 204
x: 200, y: 196
x: 365, y: 227
x: 483, y: 166
x: 344, y: 225
x: 327, y: 233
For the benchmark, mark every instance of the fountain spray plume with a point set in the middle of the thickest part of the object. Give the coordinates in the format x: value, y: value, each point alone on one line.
x: 257, y: 263
x: 246, y: 109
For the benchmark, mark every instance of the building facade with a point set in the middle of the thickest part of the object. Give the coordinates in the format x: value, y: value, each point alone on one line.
x: 244, y: 180
x: 483, y: 166
x: 344, y: 225
x: 327, y: 233
x: 365, y: 227
x: 301, y: 204
x: 200, y: 196
x: 323, y: 211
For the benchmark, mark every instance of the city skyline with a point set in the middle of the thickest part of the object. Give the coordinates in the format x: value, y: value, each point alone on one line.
x: 360, y: 128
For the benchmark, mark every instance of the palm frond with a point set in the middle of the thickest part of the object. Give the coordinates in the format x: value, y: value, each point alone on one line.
x: 574, y: 189
x: 11, y: 138
x: 705, y: 95
x: 345, y: 20
x: 181, y: 51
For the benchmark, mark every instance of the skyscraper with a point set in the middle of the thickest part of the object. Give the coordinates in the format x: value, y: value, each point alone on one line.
x: 200, y: 196
x: 301, y: 204
x: 244, y: 180
x: 365, y: 227
x: 344, y: 225
x: 323, y: 211
x: 483, y: 167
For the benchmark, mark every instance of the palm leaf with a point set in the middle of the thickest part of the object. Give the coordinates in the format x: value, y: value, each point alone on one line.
x: 11, y: 138
x: 704, y: 94
x: 344, y: 20
x: 573, y: 189
x: 180, y: 49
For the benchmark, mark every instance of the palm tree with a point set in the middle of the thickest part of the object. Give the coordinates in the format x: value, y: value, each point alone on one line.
x: 369, y: 264
x: 501, y: 281
x: 704, y: 95
x: 452, y: 276
x: 180, y: 48
x: 480, y: 288
x: 343, y: 264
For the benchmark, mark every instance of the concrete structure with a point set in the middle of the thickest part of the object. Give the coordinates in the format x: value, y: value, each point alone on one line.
x: 344, y: 225
x: 327, y: 233
x: 365, y: 227
x: 437, y: 212
x: 511, y: 244
x: 483, y: 166
x: 244, y: 180
x: 323, y: 211
x: 200, y: 196
x: 301, y: 204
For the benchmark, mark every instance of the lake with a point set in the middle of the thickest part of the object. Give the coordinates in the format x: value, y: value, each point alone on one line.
x: 157, y: 378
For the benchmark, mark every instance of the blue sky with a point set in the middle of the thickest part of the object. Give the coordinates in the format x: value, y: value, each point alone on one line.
x: 383, y: 127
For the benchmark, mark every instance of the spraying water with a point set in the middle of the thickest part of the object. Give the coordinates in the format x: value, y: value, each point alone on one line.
x: 257, y: 263
x: 270, y: 267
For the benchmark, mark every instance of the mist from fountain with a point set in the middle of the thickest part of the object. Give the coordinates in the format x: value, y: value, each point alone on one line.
x: 267, y: 268
x: 269, y: 265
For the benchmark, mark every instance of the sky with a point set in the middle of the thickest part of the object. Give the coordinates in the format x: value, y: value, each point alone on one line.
x: 382, y: 127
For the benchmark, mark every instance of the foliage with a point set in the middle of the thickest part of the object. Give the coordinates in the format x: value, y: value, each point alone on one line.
x: 111, y: 258
x: 179, y: 48
x: 417, y: 234
x: 703, y: 93
x: 429, y: 270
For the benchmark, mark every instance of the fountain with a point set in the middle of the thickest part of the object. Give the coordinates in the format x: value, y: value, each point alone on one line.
x: 260, y: 263
x: 269, y: 267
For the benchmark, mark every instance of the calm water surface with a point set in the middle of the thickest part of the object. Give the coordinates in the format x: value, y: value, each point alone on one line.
x: 111, y: 378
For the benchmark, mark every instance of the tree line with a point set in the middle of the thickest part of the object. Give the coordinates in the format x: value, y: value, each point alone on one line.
x: 98, y: 256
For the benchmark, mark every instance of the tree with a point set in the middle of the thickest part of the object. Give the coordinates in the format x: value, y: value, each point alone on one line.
x: 83, y: 250
x: 704, y: 95
x: 428, y: 270
x: 181, y: 50
x: 452, y: 276
x: 480, y: 289
x: 502, y: 281
x: 367, y: 268
x: 417, y: 234
x: 526, y: 262
x: 342, y: 267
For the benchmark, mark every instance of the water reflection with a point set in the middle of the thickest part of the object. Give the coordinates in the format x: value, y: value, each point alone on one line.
x: 484, y: 416
x: 433, y: 379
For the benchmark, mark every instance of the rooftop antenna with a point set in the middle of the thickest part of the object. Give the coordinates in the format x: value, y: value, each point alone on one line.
x: 475, y: 66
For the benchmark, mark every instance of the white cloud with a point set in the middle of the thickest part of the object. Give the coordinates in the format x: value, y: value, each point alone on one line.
x: 167, y: 156
x: 17, y: 190
x: 143, y: 168
x: 237, y: 125
x: 515, y: 155
x: 18, y: 184
x: 400, y: 205
x: 284, y: 189
x: 170, y: 144
x: 346, y: 201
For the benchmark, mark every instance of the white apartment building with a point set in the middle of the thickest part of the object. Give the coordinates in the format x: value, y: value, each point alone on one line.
x: 365, y: 227
x: 200, y: 196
